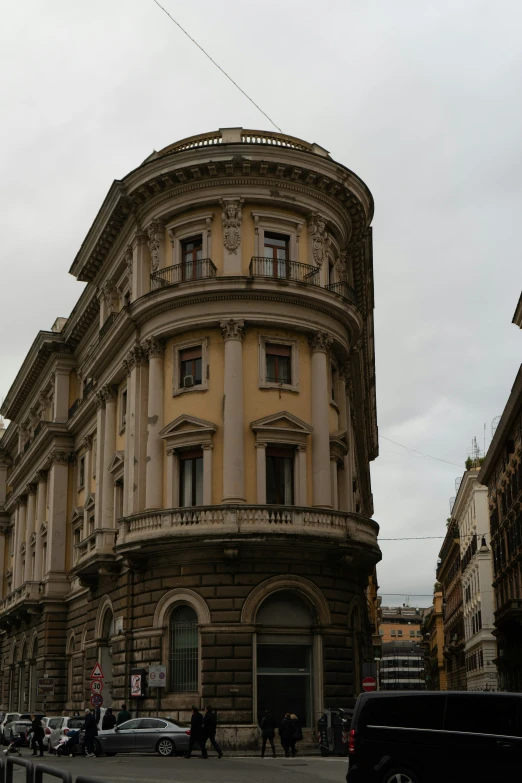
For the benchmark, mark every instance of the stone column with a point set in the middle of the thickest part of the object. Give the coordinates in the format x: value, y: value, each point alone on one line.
x: 41, y: 506
x: 154, y: 350
x: 106, y: 518
x: 333, y: 481
x: 141, y: 267
x: 4, y: 465
x: 19, y: 537
x: 30, y: 525
x: 100, y: 437
x: 233, y: 425
x: 3, y: 534
x: 302, y: 499
x: 135, y: 431
x: 319, y: 344
x: 344, y: 375
x: 61, y: 393
x: 86, y: 444
x: 207, y: 474
x: 57, y: 525
x: 232, y: 218
x: 261, y: 472
x: 172, y: 497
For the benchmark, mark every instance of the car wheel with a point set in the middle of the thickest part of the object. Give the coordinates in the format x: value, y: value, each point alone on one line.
x: 400, y: 775
x: 165, y: 747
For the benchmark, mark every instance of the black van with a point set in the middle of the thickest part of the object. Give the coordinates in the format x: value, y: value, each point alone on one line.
x: 434, y: 737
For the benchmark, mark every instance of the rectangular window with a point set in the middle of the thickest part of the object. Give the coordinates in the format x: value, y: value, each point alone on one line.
x: 399, y: 633
x: 90, y: 526
x: 412, y: 633
x: 276, y: 253
x: 81, y: 472
x: 191, y: 258
x: 278, y: 363
x: 191, y: 478
x: 393, y: 632
x: 279, y: 476
x: 467, y: 713
x: 190, y: 367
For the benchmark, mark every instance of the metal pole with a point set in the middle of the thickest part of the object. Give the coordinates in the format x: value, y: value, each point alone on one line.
x: 158, y: 702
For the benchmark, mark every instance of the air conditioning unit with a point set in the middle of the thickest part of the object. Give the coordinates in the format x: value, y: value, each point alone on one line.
x: 188, y: 380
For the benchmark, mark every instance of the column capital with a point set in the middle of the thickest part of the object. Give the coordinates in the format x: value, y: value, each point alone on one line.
x: 133, y: 359
x: 320, y: 342
x: 57, y: 457
x: 153, y: 348
x: 29, y: 489
x: 260, y: 445
x: 86, y: 443
x: 41, y: 477
x: 109, y: 393
x: 156, y: 234
x: 99, y: 400
x: 21, y: 500
x: 232, y: 330
x: 345, y: 373
x: 207, y: 446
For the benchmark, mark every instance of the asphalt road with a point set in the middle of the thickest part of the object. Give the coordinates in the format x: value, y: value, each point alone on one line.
x: 238, y: 769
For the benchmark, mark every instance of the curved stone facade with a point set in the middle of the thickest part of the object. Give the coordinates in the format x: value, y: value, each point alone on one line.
x: 186, y: 470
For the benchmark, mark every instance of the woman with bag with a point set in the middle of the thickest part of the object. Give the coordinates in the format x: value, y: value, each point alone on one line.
x: 297, y: 733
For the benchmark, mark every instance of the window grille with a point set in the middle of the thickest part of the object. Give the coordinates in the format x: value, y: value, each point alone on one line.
x: 183, y: 649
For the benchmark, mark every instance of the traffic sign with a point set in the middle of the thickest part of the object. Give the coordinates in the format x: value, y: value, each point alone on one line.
x: 97, y: 673
x: 369, y: 684
x: 96, y: 686
x: 158, y: 676
x: 96, y: 700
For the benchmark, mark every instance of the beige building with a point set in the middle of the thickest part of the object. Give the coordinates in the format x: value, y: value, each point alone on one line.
x: 433, y: 630
x: 400, y: 623
x: 185, y: 479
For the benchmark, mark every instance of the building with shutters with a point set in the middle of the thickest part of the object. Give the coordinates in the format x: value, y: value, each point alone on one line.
x: 185, y: 477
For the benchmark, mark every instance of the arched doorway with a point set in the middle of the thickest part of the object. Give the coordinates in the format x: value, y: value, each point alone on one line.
x: 105, y: 655
x: 284, y: 656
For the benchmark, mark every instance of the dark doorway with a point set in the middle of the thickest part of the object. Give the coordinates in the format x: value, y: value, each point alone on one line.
x: 284, y: 681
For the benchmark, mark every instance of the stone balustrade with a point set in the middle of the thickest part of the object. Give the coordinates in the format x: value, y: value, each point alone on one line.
x: 246, y: 519
x: 28, y: 592
x: 101, y: 541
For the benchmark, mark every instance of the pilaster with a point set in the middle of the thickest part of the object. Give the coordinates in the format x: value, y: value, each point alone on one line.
x: 321, y: 482
x: 233, y: 425
x: 154, y: 350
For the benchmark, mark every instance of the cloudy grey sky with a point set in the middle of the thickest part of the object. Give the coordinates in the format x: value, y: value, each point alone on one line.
x: 420, y: 97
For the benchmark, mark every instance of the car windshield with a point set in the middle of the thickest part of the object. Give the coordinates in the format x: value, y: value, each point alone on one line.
x: 75, y: 723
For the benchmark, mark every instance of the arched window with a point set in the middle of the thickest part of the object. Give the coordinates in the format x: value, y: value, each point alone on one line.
x: 183, y: 649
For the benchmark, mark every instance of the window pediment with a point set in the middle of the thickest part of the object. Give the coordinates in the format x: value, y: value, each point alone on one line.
x: 116, y: 464
x: 77, y: 514
x: 281, y: 427
x: 90, y: 502
x: 188, y: 431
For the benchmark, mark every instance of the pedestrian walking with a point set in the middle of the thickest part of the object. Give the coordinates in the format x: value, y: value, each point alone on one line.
x: 286, y: 731
x: 197, y: 736
x: 123, y: 715
x: 268, y: 727
x: 38, y: 733
x: 209, y: 730
x: 109, y: 720
x: 297, y: 734
x: 91, y: 730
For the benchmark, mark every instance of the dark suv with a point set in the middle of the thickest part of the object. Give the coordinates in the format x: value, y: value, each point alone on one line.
x: 429, y: 737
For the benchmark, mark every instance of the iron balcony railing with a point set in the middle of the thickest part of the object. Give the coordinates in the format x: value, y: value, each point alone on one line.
x: 107, y: 325
x: 282, y: 269
x: 89, y: 386
x: 344, y: 289
x: 190, y: 271
x: 74, y: 407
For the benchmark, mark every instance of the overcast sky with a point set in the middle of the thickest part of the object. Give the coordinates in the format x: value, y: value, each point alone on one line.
x: 420, y: 97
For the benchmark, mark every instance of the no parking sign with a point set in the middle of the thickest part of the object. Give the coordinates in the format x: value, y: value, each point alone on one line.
x: 158, y: 676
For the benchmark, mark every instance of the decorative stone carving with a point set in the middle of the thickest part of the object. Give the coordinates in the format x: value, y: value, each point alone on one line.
x: 60, y: 457
x: 320, y: 341
x: 319, y: 236
x: 128, y: 257
x: 153, y: 348
x: 341, y: 267
x: 232, y: 216
x: 40, y: 477
x: 111, y: 296
x: 108, y: 392
x: 99, y: 400
x: 133, y: 359
x: 156, y: 239
x: 345, y: 374
x: 232, y: 330
x: 86, y: 443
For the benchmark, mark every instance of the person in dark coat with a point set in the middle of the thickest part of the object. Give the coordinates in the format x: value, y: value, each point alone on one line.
x: 286, y: 732
x: 123, y: 715
x: 91, y: 730
x: 109, y: 720
x: 209, y: 730
x: 297, y: 735
x: 197, y: 735
x: 38, y: 734
x: 268, y: 727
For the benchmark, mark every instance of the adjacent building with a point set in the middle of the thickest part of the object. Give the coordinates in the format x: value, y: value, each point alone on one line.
x: 400, y: 623
x: 449, y: 576
x: 502, y: 474
x: 402, y: 667
x: 185, y: 477
x: 433, y: 632
x: 470, y: 511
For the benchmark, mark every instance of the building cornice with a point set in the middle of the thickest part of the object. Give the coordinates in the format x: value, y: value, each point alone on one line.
x: 504, y: 426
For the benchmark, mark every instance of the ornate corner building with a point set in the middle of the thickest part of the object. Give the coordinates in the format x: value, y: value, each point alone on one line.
x: 185, y: 477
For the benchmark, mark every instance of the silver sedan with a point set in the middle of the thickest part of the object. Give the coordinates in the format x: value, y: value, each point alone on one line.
x: 144, y: 735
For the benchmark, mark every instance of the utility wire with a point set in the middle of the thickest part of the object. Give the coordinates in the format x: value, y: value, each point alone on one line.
x: 411, y: 538
x: 408, y: 448
x: 217, y: 65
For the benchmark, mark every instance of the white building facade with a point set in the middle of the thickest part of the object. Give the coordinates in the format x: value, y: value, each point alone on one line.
x: 472, y: 515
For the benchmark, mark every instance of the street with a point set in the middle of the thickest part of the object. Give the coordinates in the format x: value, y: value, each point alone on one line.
x: 235, y: 769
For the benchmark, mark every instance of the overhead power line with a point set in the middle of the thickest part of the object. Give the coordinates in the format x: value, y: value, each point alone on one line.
x: 217, y: 65
x: 410, y: 538
x: 422, y: 454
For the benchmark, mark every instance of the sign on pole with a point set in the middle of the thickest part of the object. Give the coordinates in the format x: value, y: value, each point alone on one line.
x: 369, y: 684
x: 97, y: 672
x: 158, y: 676
x: 96, y: 686
x: 45, y: 686
x: 96, y: 700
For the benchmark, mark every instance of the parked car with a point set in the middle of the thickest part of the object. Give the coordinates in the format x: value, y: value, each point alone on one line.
x: 59, y: 727
x: 9, y: 717
x: 427, y: 737
x: 144, y: 735
x: 22, y: 722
